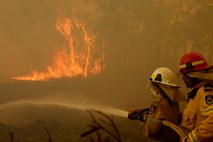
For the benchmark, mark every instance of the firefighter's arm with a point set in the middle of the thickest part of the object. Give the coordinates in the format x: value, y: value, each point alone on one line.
x: 153, y: 122
x: 188, y: 118
x: 204, y: 132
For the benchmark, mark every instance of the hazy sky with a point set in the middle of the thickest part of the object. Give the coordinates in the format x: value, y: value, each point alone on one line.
x: 28, y: 37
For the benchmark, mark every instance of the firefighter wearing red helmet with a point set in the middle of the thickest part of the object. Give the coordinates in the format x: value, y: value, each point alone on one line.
x: 197, y: 119
x: 165, y: 92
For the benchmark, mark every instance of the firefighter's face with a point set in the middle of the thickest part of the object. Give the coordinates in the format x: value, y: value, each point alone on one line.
x: 154, y: 91
x: 187, y: 80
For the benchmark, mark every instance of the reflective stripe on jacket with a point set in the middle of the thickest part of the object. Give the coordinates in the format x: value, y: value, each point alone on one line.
x: 198, y: 116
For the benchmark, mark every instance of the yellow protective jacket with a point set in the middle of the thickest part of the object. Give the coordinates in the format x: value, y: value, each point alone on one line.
x: 160, y: 110
x: 198, y: 115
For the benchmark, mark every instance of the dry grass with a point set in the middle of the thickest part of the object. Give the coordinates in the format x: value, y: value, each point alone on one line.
x: 102, y: 128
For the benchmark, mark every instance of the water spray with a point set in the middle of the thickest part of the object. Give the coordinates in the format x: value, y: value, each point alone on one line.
x: 104, y: 109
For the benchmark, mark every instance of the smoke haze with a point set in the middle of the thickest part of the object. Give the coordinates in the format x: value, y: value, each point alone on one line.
x: 133, y: 38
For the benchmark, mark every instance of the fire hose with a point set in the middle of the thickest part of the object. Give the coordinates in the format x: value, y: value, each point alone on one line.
x: 139, y: 115
x: 175, y: 128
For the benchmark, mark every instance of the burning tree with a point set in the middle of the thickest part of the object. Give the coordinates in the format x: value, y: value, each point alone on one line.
x: 76, y: 60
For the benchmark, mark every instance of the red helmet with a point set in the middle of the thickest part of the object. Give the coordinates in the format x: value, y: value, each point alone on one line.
x: 193, y: 61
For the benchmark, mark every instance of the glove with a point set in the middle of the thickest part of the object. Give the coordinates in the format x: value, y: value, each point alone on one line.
x: 138, y: 114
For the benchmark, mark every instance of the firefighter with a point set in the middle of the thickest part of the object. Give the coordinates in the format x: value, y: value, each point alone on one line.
x: 197, y: 119
x: 164, y: 89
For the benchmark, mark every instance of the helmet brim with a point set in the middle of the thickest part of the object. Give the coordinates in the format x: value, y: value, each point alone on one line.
x: 206, y: 68
x: 202, y: 75
x: 167, y: 85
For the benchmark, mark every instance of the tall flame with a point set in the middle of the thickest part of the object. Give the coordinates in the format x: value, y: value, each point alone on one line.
x: 73, y: 61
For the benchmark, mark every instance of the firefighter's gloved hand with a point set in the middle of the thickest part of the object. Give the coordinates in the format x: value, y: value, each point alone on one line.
x: 133, y: 114
x: 138, y: 114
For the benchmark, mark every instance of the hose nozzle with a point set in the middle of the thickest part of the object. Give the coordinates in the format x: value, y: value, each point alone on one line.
x: 138, y: 114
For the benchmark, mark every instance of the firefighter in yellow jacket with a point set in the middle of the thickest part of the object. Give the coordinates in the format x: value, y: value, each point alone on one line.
x: 197, y: 120
x: 165, y: 92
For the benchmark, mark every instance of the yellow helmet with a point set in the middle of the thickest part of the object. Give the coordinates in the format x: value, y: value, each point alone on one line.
x: 164, y: 76
x: 168, y: 83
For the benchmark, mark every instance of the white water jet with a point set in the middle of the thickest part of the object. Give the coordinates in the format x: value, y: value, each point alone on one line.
x: 86, y: 106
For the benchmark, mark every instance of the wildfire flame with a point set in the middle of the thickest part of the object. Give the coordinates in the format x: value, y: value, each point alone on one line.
x: 73, y: 61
